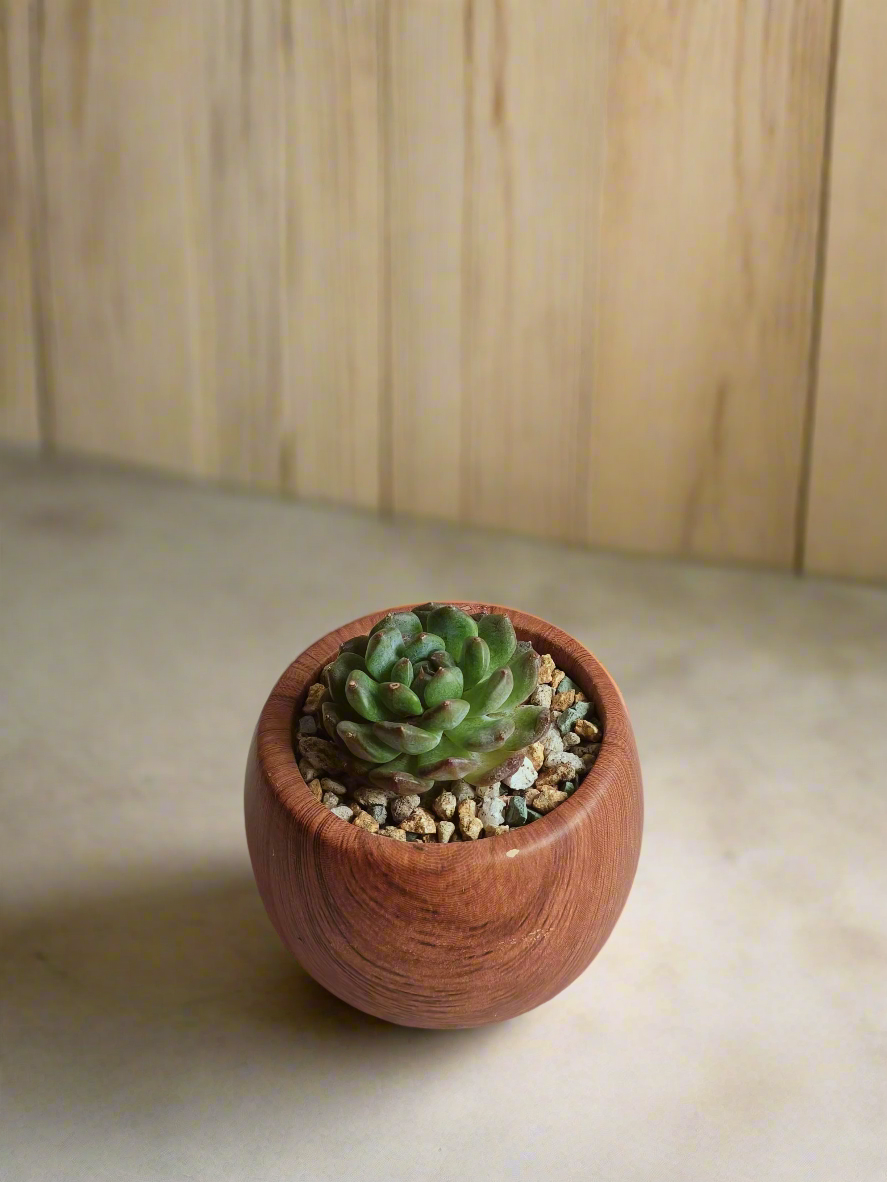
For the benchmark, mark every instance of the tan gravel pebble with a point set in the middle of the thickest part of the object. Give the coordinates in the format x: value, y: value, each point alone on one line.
x: 393, y: 831
x: 316, y: 696
x: 333, y: 786
x: 565, y: 700
x: 364, y: 821
x: 556, y: 678
x: 548, y: 799
x: 467, y: 813
x: 315, y: 789
x: 474, y: 829
x: 536, y: 755
x: 568, y: 766
x: 588, y: 730
x: 546, y: 668
x: 419, y: 821
x: 445, y: 830
x: 445, y: 805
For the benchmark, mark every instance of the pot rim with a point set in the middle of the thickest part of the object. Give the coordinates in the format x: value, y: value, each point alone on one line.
x: 277, y: 763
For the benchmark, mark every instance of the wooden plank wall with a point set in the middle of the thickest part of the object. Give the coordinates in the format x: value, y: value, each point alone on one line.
x: 549, y: 267
x: 847, y: 530
x: 19, y: 420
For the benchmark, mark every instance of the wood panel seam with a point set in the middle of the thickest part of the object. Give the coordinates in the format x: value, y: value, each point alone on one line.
x: 385, y: 450
x: 41, y: 273
x: 808, y: 425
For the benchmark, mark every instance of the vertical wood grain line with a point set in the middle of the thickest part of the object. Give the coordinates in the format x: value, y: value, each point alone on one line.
x: 466, y: 492
x: 592, y: 274
x: 808, y: 426
x: 41, y: 288
x: 386, y: 330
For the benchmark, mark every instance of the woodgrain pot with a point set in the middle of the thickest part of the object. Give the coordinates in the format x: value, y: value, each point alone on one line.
x: 436, y: 935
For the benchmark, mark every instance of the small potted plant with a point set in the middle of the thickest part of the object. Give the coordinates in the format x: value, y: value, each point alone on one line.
x: 444, y: 810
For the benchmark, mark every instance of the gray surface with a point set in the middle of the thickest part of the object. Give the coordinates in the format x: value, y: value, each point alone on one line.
x: 734, y: 1026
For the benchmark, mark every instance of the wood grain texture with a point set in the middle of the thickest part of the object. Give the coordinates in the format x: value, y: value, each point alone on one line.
x: 534, y: 120
x: 397, y: 930
x: 847, y: 522
x: 333, y: 241
x: 18, y: 332
x: 113, y: 103
x: 425, y: 182
x: 233, y: 195
x: 715, y: 142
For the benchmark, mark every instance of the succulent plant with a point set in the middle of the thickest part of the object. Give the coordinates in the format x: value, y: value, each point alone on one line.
x: 434, y: 694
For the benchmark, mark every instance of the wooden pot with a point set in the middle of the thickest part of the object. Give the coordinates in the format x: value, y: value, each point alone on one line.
x: 437, y: 935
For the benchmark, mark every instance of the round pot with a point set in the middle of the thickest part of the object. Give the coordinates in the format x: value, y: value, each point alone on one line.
x: 437, y: 935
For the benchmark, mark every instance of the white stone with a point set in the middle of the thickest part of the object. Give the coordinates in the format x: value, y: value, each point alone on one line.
x: 342, y: 811
x: 491, y: 813
x: 488, y: 791
x: 523, y: 778
x: 553, y: 746
x: 542, y: 696
x: 572, y: 761
x: 462, y: 791
x: 330, y: 800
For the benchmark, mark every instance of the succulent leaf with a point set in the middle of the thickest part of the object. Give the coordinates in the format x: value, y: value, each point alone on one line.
x: 441, y: 660
x: 383, y: 650
x: 491, y: 694
x: 364, y: 696
x: 360, y: 739
x: 446, y: 762
x: 357, y: 644
x: 498, y: 631
x: 524, y: 666
x: 401, y: 782
x: 444, y: 684
x: 402, y: 671
x: 330, y: 716
x: 337, y: 672
x: 475, y: 661
x: 423, y: 646
x: 484, y: 732
x: 407, y: 624
x: 445, y: 716
x: 399, y: 700
x: 530, y: 724
x: 405, y: 737
x: 423, y: 612
x: 453, y: 625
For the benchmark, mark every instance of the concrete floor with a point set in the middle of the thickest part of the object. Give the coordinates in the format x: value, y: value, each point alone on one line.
x: 735, y: 1026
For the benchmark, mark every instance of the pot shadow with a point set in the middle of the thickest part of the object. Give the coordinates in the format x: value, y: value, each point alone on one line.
x: 165, y: 987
